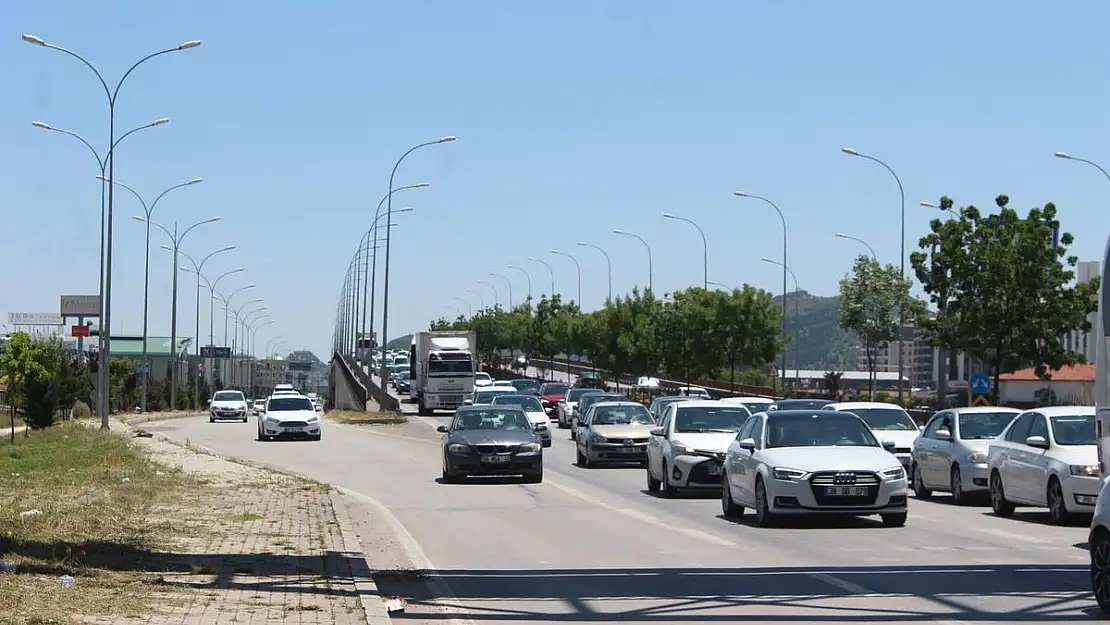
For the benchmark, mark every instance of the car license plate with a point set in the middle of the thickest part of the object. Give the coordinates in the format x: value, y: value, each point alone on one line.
x: 294, y: 430
x: 495, y: 459
x: 628, y: 450
x: 714, y: 469
x: 846, y: 491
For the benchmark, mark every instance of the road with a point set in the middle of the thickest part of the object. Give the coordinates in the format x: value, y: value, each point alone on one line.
x: 593, y: 545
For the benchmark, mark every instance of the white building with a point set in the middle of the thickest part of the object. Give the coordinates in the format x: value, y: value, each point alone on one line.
x: 1077, y: 340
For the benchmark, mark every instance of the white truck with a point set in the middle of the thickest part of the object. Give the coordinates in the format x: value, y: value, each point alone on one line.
x: 442, y: 366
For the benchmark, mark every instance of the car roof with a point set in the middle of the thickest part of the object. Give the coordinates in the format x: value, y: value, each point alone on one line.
x: 484, y: 407
x: 503, y: 388
x: 1066, y: 411
x: 527, y: 395
x: 849, y: 405
x: 707, y: 403
x: 609, y: 404
x: 749, y: 400
x: 981, y: 409
x: 777, y: 414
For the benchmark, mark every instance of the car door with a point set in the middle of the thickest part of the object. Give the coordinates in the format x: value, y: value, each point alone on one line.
x: 665, y: 446
x: 1009, y: 450
x: 581, y: 428
x: 656, y: 449
x: 923, y: 447
x: 940, y: 451
x: 750, y: 462
x: 1034, y: 465
x: 734, y: 460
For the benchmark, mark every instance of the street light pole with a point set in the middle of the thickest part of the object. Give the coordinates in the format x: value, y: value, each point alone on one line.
x: 527, y: 276
x: 902, y: 264
x: 797, y: 321
x: 496, y: 296
x: 508, y: 282
x: 481, y: 298
x: 646, y: 246
x: 372, y: 267
x: 103, y: 379
x: 469, y: 307
x: 241, y: 323
x: 224, y: 377
x: 704, y: 246
x: 1069, y: 157
x: 212, y: 294
x: 608, y: 264
x: 550, y: 270
x: 388, y: 239
x: 198, y: 268
x: 578, y: 268
x: 148, y: 211
x: 785, y: 269
x: 252, y: 344
x: 841, y: 235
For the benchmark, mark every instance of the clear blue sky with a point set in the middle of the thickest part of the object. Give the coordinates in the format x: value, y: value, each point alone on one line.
x: 574, y: 117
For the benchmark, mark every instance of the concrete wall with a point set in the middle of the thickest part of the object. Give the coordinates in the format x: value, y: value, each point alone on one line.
x: 343, y: 397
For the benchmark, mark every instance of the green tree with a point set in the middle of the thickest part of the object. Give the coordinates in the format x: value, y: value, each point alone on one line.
x: 688, y: 324
x: 639, y: 320
x: 746, y: 326
x: 871, y: 299
x: 18, y: 365
x: 1002, y: 289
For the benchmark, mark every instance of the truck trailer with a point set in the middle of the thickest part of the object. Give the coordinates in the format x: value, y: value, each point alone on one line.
x: 442, y: 365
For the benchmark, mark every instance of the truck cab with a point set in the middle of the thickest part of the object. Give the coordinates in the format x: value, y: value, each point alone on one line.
x: 442, y: 366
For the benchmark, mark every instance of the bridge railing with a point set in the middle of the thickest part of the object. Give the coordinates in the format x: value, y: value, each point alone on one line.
x: 716, y: 389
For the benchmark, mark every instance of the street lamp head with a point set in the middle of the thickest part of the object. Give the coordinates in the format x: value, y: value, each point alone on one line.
x: 211, y: 220
x: 421, y: 185
x: 33, y: 39
x: 42, y: 125
x: 583, y: 243
x: 669, y: 215
x: 102, y: 178
x: 447, y: 139
x: 768, y: 260
x: 138, y: 218
x: 841, y: 235
x: 619, y: 232
x: 168, y: 249
x: 407, y: 209
x: 189, y: 44
x: 226, y: 249
x: 159, y: 121
x: 928, y: 205
x: 849, y: 151
x: 194, y: 181
x: 1062, y: 155
x: 740, y: 194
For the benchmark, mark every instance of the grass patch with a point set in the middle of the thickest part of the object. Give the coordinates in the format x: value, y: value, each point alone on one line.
x: 367, y: 418
x: 95, y: 496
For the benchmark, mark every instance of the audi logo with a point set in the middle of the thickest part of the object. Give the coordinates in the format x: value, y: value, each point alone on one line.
x: 844, y: 478
x: 629, y: 442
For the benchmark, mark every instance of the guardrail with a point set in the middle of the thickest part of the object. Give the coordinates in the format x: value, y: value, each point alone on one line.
x: 359, y: 388
x: 384, y: 400
x: 716, y: 389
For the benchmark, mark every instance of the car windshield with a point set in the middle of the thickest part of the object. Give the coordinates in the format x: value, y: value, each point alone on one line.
x: 554, y: 389
x: 1074, y: 429
x: 527, y: 403
x: 457, y: 367
x: 404, y: 374
x: 693, y: 419
x: 281, y: 404
x: 486, y: 397
x: 491, y: 419
x: 980, y: 425
x: 575, y: 393
x: 526, y: 386
x: 589, y: 400
x: 482, y: 375
x: 228, y: 396
x: 801, y: 404
x: 884, y: 418
x: 817, y: 429
x: 622, y: 415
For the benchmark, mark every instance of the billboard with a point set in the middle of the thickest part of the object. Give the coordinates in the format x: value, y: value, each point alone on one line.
x: 34, y: 319
x: 209, y: 351
x: 300, y: 365
x: 80, y: 306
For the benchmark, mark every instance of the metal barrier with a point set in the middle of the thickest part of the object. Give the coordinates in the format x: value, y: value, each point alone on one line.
x: 715, y: 389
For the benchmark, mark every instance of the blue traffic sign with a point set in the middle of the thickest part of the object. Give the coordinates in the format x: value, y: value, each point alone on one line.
x: 980, y: 384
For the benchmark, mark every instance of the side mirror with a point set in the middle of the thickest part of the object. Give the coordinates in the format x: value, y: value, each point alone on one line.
x: 207, y: 402
x: 889, y: 446
x: 468, y: 402
x: 656, y: 431
x: 747, y: 443
x: 541, y: 427
x: 442, y: 429
x: 1037, y: 441
x: 944, y: 435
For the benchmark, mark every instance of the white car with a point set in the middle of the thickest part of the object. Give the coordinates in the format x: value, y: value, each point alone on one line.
x: 1098, y: 544
x: 228, y: 405
x: 289, y: 416
x: 532, y: 408
x: 1046, y: 458
x: 951, y: 453
x: 486, y: 394
x: 812, y: 462
x: 696, y: 392
x: 503, y: 384
x: 753, y: 404
x: 258, y: 407
x: 688, y: 448
x: 891, y: 422
x: 482, y: 378
x: 566, y: 410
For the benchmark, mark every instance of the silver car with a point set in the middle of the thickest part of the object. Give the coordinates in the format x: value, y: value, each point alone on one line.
x: 951, y: 454
x: 614, y: 431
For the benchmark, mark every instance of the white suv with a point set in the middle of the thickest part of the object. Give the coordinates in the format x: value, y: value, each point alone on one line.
x: 289, y: 415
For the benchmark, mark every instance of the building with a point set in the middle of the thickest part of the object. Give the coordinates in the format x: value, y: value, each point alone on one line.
x: 919, y: 370
x: 1074, y: 386
x: 158, y: 353
x: 269, y: 373
x: 306, y: 370
x: 1079, y: 341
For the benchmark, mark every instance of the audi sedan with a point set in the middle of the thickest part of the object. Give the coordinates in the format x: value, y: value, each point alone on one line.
x: 794, y: 462
x: 491, y: 440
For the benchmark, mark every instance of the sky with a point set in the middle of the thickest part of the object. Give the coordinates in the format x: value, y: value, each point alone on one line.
x: 573, y: 117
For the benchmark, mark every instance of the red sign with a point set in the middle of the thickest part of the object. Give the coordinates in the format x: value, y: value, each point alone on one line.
x: 80, y: 330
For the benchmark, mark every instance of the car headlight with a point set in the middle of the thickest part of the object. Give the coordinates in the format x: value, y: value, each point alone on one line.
x: 595, y: 437
x: 682, y: 450
x: 530, y: 447
x: 1084, y: 470
x: 977, y: 457
x: 896, y: 473
x: 458, y: 448
x: 312, y: 418
x: 787, y: 475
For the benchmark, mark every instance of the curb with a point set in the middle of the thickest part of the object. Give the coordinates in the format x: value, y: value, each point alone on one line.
x: 157, y: 416
x: 359, y: 572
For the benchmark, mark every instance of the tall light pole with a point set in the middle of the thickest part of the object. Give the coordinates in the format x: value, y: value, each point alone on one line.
x: 372, y: 268
x: 252, y: 345
x: 550, y: 271
x: 469, y: 307
x: 242, y: 322
x: 841, y: 235
x: 224, y: 367
x: 148, y: 210
x: 577, y: 267
x: 508, y: 282
x: 198, y: 269
x: 527, y: 276
x: 481, y: 298
x: 608, y: 264
x: 270, y: 342
x: 1069, y: 157
x: 785, y: 269
x: 103, y: 379
x: 496, y: 297
x: 254, y: 354
x: 704, y: 246
x: 388, y: 238
x: 176, y: 237
x: 212, y: 294
x: 902, y: 263
x: 102, y: 165
x: 721, y: 285
x: 797, y: 322
x: 646, y: 246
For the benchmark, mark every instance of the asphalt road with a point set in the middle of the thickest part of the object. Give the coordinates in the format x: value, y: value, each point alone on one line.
x: 593, y: 545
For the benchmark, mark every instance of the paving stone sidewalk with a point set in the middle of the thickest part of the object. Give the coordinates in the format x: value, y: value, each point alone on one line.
x: 268, y: 548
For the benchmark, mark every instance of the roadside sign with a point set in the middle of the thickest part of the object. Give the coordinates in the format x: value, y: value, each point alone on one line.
x: 80, y: 305
x: 979, y: 384
x: 34, y: 319
x: 80, y: 330
x: 981, y: 400
x: 209, y: 351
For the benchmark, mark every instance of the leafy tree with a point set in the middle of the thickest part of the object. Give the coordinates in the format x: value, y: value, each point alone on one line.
x: 640, y: 322
x: 1002, y: 290
x: 745, y: 327
x: 18, y: 364
x: 832, y: 382
x: 688, y: 334
x: 871, y: 299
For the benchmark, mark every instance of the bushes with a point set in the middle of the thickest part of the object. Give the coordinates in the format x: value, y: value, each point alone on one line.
x: 43, y: 377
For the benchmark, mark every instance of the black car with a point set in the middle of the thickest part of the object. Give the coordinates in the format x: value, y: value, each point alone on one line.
x: 489, y: 440
x: 590, y: 379
x: 526, y: 386
x: 800, y: 404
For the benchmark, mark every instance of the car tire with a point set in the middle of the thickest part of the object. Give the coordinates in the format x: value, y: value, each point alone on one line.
x: 919, y: 489
x: 956, y: 486
x: 895, y: 520
x: 763, y: 515
x: 449, y: 478
x: 1057, y: 506
x: 534, y: 479
x: 999, y: 505
x: 728, y: 506
x: 547, y: 443
x: 669, y: 490
x: 316, y: 438
x: 653, y: 485
x: 211, y: 419
x: 1100, y: 568
x: 580, y: 458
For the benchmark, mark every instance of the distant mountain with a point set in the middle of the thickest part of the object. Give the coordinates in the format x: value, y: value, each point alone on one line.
x: 821, y: 342
x: 401, y: 342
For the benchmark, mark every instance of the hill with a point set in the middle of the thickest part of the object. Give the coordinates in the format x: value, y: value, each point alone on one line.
x: 822, y: 344
x: 401, y: 342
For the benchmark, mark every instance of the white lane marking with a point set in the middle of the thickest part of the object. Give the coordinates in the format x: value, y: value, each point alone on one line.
x: 1009, y: 536
x: 842, y: 584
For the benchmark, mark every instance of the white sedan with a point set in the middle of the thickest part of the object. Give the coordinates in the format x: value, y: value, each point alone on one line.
x: 688, y: 447
x: 482, y: 378
x: 1046, y: 458
x: 289, y: 416
x: 813, y: 462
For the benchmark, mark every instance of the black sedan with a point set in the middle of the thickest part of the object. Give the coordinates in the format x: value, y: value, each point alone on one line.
x: 527, y: 386
x: 488, y: 440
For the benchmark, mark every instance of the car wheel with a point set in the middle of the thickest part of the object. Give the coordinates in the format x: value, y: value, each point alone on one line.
x: 763, y: 515
x: 653, y: 485
x: 919, y: 484
x: 580, y: 458
x: 534, y: 479
x: 728, y: 506
x: 317, y: 437
x: 669, y: 490
x: 895, y: 520
x: 244, y: 419
x: 999, y: 505
x: 211, y: 419
x: 448, y: 478
x: 956, y: 486
x: 1100, y: 568
x: 1057, y: 506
